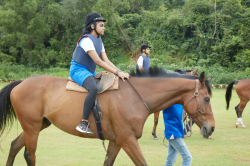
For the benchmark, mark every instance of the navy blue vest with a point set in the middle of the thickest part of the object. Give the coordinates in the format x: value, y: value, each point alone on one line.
x: 81, y: 57
x: 146, y: 62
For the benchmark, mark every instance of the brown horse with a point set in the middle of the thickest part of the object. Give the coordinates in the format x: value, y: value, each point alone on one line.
x: 41, y: 100
x: 156, y: 114
x: 243, y: 92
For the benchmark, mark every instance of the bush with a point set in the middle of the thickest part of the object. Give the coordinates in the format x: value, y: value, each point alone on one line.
x: 21, y: 72
x: 221, y: 75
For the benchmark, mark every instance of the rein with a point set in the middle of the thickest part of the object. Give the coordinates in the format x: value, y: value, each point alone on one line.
x: 187, y: 124
x: 196, y: 96
x: 140, y: 97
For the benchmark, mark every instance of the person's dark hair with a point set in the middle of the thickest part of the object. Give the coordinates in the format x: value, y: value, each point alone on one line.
x: 86, y: 30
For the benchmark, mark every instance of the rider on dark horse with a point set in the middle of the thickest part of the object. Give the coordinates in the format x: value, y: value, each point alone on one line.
x: 143, y: 61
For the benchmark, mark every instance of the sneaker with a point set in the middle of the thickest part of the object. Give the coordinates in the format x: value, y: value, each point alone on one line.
x: 82, y: 127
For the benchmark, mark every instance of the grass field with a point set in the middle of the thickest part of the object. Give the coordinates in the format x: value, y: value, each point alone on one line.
x: 230, y: 147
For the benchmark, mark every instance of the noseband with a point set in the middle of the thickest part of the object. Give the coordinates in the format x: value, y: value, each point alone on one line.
x: 196, y: 96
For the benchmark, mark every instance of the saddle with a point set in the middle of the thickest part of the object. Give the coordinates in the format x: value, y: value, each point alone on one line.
x: 108, y: 81
x: 105, y: 81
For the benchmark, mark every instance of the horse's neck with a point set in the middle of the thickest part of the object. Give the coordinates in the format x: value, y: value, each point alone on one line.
x: 161, y: 93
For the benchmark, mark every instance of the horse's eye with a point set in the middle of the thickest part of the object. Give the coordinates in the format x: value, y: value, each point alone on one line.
x: 207, y: 100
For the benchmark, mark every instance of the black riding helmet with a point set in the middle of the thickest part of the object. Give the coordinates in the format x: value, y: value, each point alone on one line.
x: 144, y: 46
x: 92, y: 18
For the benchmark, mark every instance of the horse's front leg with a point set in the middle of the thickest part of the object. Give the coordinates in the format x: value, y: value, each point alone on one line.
x: 113, y: 150
x: 132, y: 148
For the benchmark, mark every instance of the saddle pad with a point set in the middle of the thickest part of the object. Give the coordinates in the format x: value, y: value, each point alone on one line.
x: 108, y: 82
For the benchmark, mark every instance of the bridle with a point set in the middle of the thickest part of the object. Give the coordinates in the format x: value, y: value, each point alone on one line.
x: 196, y: 96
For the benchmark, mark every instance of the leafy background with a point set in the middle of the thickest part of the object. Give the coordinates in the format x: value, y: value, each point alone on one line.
x: 39, y: 36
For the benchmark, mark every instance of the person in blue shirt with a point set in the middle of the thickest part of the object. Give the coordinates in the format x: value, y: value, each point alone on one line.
x: 88, y: 53
x: 143, y: 61
x: 174, y: 133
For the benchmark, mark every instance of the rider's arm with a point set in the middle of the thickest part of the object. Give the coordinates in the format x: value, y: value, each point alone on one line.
x: 99, y: 62
x: 105, y: 59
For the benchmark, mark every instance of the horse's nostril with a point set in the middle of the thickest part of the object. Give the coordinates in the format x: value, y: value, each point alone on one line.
x: 212, y: 130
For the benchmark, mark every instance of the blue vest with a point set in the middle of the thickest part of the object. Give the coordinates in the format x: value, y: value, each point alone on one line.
x: 172, y: 117
x: 81, y: 57
x: 146, y: 62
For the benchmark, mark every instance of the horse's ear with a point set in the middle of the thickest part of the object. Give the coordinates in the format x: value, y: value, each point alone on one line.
x: 202, y: 78
x: 209, y: 79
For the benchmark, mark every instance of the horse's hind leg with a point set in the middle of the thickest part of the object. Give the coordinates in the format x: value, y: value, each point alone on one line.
x: 156, y: 117
x: 16, y: 146
x: 239, y: 110
x: 113, y: 150
x: 46, y: 123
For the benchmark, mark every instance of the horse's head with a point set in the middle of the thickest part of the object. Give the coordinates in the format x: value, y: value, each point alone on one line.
x: 198, y: 106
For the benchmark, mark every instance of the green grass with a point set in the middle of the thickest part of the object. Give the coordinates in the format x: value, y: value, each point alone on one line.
x: 230, y: 146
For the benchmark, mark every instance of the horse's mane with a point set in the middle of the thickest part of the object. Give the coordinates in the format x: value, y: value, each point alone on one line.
x: 161, y: 72
x: 182, y: 71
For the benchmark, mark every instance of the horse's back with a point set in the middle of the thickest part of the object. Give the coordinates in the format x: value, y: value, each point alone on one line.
x: 38, y: 85
x: 33, y: 91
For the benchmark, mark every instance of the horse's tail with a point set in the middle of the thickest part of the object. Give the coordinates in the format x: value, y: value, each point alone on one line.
x: 7, y: 114
x: 229, y: 92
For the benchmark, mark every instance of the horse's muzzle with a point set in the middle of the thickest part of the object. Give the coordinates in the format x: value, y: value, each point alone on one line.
x: 207, y: 131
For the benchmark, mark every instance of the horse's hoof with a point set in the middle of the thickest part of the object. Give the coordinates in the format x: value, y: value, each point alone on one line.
x: 156, y: 138
x: 236, y: 125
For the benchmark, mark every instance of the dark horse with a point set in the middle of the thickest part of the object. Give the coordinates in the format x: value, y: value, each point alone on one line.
x: 156, y: 114
x: 243, y: 92
x: 41, y: 100
x: 189, y: 72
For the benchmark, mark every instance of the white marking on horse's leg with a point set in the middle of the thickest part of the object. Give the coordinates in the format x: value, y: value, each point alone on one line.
x: 240, y: 122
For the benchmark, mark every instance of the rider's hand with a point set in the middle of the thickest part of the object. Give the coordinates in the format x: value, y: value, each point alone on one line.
x: 123, y: 75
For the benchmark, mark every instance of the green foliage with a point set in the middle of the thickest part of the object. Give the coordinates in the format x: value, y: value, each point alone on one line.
x: 18, y: 72
x: 182, y: 33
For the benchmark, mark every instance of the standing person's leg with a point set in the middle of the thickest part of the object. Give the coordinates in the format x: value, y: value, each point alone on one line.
x: 182, y: 149
x: 172, y: 154
x: 89, y: 84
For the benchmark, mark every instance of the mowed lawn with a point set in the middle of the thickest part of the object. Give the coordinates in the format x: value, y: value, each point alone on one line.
x: 230, y: 147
